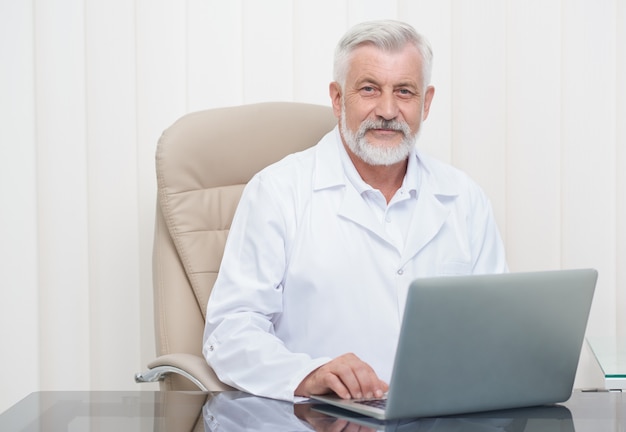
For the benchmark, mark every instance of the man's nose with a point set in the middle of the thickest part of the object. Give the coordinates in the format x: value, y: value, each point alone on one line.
x: 387, y: 107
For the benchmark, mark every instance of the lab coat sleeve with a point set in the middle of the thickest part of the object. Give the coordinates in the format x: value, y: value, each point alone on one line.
x: 487, y: 246
x: 239, y: 341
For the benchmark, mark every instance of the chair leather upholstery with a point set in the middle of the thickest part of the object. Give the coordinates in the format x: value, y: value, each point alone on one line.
x: 203, y: 162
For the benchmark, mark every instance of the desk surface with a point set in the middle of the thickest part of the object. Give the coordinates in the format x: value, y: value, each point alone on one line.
x: 236, y: 411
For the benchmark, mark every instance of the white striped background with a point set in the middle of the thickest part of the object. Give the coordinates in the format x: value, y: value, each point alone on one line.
x: 530, y: 101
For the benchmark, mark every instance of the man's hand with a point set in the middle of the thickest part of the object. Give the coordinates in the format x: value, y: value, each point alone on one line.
x: 347, y: 376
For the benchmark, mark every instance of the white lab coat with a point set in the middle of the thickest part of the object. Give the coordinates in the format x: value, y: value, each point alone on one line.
x: 308, y: 274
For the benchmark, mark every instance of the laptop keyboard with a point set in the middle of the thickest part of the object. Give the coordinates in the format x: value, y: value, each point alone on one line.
x: 376, y: 403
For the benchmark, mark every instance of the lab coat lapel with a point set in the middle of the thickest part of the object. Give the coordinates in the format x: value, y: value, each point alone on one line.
x: 430, y: 215
x: 354, y: 208
x: 329, y: 175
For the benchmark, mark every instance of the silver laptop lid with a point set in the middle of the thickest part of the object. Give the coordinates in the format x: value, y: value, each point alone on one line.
x: 477, y: 343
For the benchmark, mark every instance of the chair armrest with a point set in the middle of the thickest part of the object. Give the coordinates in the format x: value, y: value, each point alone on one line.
x: 192, y: 367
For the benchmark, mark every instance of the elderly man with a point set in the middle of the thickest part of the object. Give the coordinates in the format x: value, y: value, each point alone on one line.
x: 325, y: 243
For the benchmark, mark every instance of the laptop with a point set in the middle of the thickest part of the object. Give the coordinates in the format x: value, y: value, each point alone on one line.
x: 485, y: 342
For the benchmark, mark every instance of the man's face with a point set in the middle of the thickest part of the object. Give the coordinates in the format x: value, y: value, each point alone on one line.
x: 383, y: 103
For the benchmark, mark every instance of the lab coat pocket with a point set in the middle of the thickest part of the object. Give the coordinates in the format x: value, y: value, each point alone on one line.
x: 454, y: 268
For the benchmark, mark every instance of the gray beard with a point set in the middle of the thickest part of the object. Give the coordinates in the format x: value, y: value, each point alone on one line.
x: 373, y: 154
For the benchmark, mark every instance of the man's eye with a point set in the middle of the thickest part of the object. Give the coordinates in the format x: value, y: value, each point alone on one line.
x: 405, y: 92
x: 367, y: 89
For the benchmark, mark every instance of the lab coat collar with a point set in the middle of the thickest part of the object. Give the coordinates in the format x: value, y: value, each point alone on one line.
x: 329, y: 171
x: 430, y: 212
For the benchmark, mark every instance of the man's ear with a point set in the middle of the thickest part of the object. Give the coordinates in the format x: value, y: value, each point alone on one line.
x: 334, y: 89
x: 428, y: 98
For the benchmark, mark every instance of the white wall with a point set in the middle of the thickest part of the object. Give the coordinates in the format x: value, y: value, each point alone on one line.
x: 530, y: 101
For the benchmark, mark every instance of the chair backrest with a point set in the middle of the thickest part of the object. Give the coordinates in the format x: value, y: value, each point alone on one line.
x: 203, y: 162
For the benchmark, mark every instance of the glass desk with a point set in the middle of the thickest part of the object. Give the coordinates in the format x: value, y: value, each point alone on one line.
x: 236, y: 411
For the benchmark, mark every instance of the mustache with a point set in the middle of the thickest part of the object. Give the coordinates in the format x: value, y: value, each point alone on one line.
x: 384, y: 124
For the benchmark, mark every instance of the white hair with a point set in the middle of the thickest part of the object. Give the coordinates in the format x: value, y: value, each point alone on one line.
x: 387, y: 35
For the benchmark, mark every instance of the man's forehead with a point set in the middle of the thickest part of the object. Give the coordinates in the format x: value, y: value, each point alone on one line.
x: 370, y: 60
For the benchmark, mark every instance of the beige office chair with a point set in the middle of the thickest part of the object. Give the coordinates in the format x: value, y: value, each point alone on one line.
x: 203, y: 162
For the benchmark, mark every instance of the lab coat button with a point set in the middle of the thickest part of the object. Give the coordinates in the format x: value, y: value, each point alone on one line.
x: 400, y: 272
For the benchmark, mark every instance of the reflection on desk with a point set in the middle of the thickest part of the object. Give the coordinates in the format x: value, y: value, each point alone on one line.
x: 541, y: 419
x: 237, y: 411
